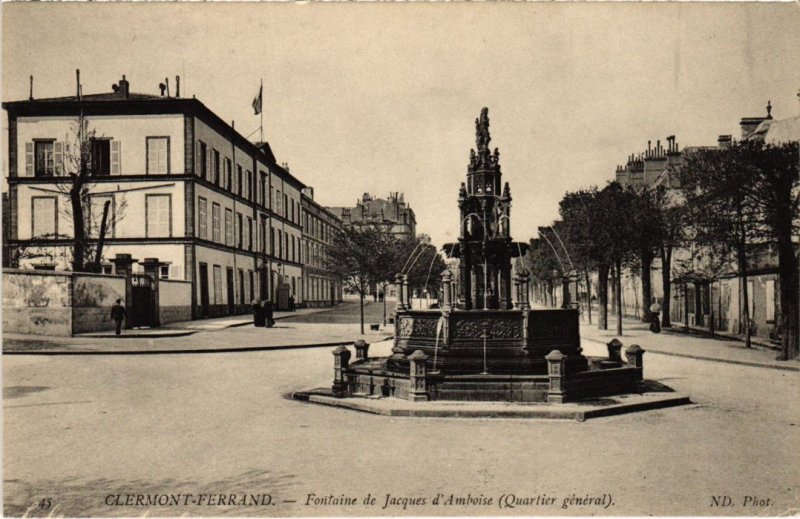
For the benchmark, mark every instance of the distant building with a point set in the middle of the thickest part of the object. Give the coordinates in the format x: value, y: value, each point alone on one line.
x: 392, y: 214
x: 320, y: 287
x: 6, y: 232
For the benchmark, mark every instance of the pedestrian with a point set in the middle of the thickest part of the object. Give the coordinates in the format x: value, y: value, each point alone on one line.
x: 268, y: 320
x: 655, y: 323
x: 291, y: 303
x: 118, y: 314
x: 258, y: 313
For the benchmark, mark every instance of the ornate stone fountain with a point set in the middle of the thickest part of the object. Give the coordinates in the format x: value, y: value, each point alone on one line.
x: 482, y: 344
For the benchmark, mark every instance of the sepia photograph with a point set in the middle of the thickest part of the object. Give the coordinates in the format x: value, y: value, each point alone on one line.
x: 358, y: 259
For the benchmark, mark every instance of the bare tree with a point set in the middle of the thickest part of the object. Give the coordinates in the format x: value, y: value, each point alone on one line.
x: 90, y: 223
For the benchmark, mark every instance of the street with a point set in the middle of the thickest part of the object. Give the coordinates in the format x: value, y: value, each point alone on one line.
x: 84, y: 432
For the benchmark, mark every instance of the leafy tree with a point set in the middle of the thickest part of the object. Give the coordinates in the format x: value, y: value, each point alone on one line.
x: 673, y: 235
x: 600, y: 224
x: 545, y: 269
x: 647, y: 223
x: 775, y: 192
x: 725, y: 194
x: 362, y: 257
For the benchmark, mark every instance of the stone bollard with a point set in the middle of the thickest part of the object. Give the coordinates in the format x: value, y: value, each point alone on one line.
x: 557, y: 393
x: 398, y: 283
x: 418, y: 389
x: 614, y: 348
x: 361, y: 350
x: 634, y: 355
x: 341, y: 361
x: 447, y: 304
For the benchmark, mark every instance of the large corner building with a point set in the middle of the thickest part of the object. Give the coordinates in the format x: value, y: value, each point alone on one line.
x: 185, y: 188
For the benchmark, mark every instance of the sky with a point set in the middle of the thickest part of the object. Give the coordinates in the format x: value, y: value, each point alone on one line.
x: 379, y: 97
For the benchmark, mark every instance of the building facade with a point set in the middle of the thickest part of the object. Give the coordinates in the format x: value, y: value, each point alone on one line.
x: 320, y: 288
x: 393, y: 214
x: 699, y: 302
x: 184, y: 187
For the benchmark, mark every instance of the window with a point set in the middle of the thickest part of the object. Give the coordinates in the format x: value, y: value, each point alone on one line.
x: 238, y: 180
x: 101, y: 156
x: 215, y: 223
x: 248, y: 185
x: 158, y: 222
x: 263, y: 235
x: 216, y: 167
x: 157, y: 155
x: 249, y: 233
x: 163, y: 272
x: 285, y: 208
x: 45, y: 162
x: 96, y: 208
x: 202, y: 217
x: 271, y: 241
x: 239, y: 231
x: 228, y: 227
x: 217, y: 285
x: 769, y: 294
x: 280, y: 245
x: 263, y: 191
x: 44, y: 216
x: 226, y: 181
x: 271, y: 197
x: 201, y: 159
x: 278, y: 200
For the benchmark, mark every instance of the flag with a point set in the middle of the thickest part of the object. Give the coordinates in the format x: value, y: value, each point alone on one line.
x: 257, y: 101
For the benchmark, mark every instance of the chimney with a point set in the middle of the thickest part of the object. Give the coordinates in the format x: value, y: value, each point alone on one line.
x: 161, y: 86
x: 78, y: 82
x: 166, y: 82
x: 724, y: 141
x: 177, y: 86
x: 30, y: 96
x: 123, y: 87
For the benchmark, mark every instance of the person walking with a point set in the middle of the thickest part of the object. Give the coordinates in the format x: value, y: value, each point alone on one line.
x: 655, y: 323
x: 118, y: 314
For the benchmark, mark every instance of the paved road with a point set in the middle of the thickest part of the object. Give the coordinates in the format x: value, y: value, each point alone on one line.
x: 80, y: 429
x: 349, y: 312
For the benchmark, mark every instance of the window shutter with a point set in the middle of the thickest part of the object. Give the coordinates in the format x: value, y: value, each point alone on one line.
x: 28, y: 159
x: 209, y: 165
x: 58, y: 155
x: 116, y: 167
x: 199, y: 164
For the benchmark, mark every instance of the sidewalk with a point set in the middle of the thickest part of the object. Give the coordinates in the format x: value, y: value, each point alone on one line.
x: 183, y: 328
x: 677, y: 343
x: 284, y: 335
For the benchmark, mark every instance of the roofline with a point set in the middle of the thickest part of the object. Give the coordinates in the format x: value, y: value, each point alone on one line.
x: 167, y: 105
x: 320, y: 206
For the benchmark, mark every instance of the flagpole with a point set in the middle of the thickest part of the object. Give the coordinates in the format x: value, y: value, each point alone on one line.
x: 261, y: 111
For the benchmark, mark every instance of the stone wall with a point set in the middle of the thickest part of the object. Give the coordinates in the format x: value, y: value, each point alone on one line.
x: 58, y: 303
x: 37, y: 302
x: 93, y: 295
x: 174, y: 300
